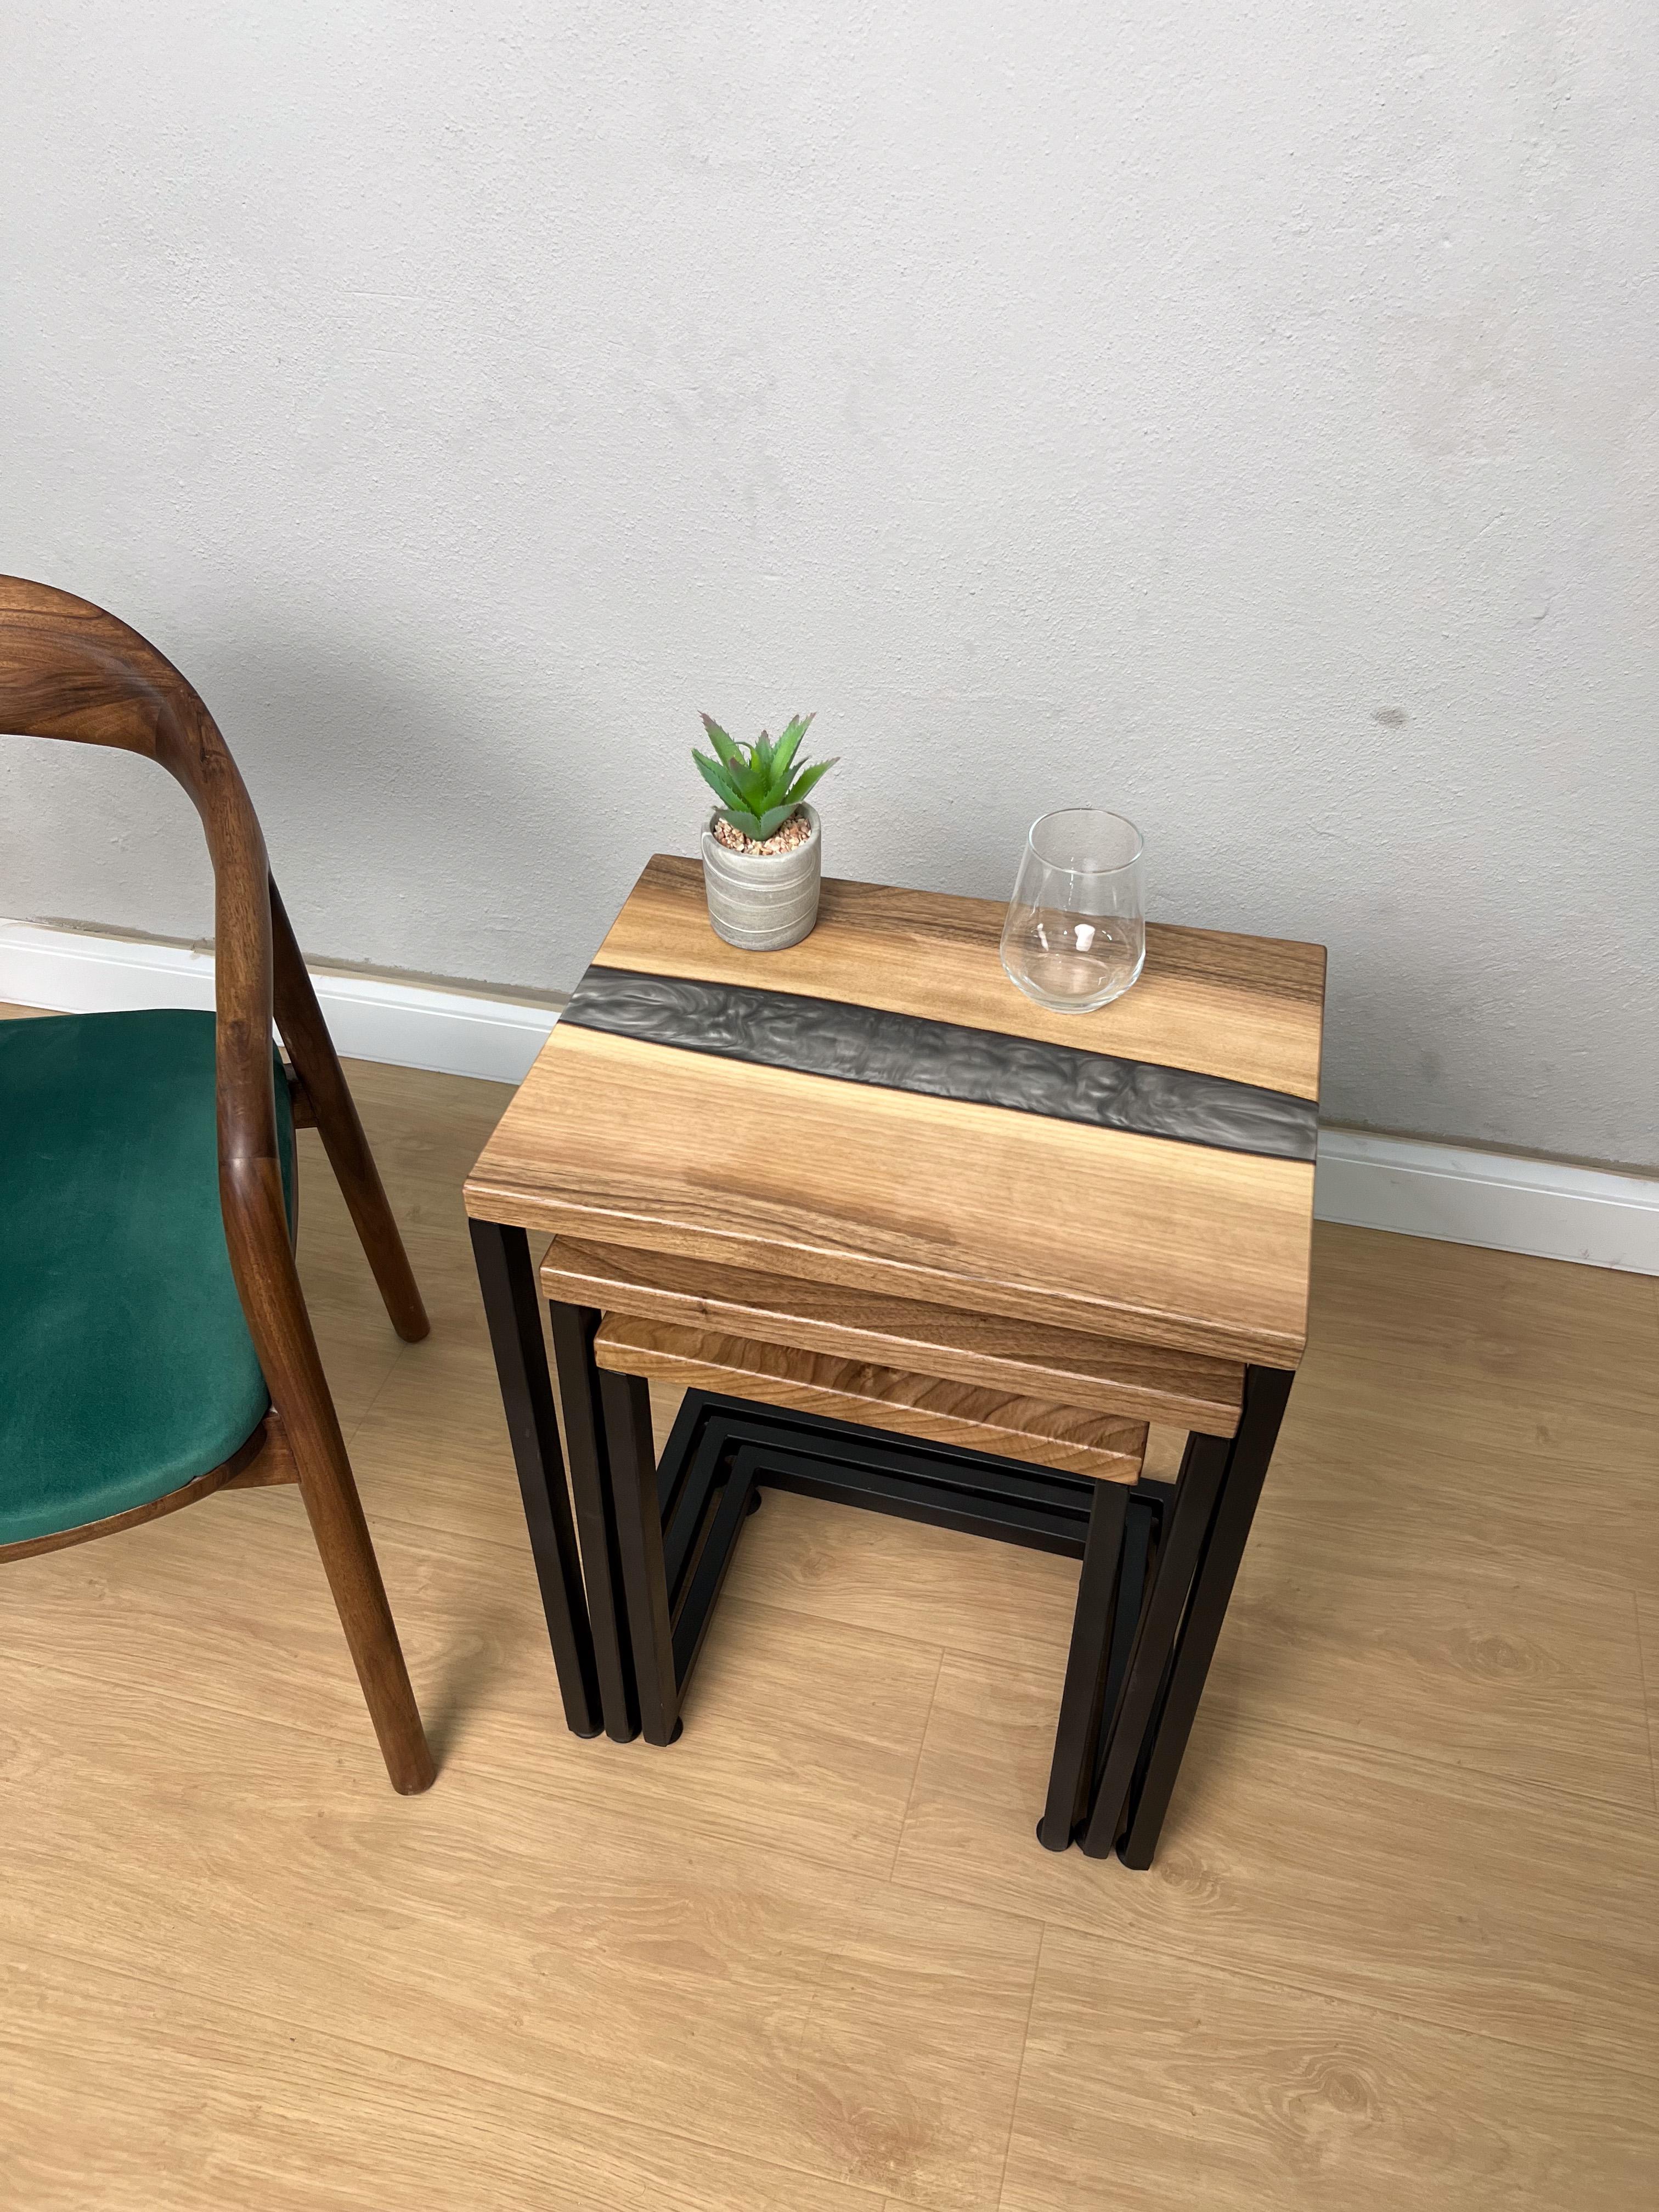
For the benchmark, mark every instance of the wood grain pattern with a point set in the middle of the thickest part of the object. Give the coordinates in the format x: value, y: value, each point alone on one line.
x: 722, y: 1995
x: 220, y: 2106
x: 959, y: 1206
x: 1364, y: 1973
x: 979, y: 1208
x: 845, y: 1042
x: 788, y: 1743
x: 1400, y: 1884
x: 970, y: 1206
x: 1103, y: 1445
x: 1456, y: 1663
x: 1249, y: 1008
x: 988, y: 1352
x: 1289, y: 2101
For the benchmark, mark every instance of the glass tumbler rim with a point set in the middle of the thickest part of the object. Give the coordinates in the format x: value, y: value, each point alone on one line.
x: 1105, y: 868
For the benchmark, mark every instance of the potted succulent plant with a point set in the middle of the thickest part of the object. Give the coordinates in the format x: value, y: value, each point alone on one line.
x: 761, y: 846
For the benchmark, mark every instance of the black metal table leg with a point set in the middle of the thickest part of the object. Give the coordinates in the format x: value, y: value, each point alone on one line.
x: 1143, y: 1518
x: 675, y: 1527
x: 1265, y: 1392
x: 1201, y: 1469
x: 626, y: 1399
x: 512, y: 1309
x: 702, y: 1587
x: 574, y: 1328
x: 1083, y: 1693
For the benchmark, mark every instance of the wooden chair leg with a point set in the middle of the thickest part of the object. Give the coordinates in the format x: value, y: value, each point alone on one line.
x: 354, y: 1575
x: 262, y: 1259
x: 311, y: 1049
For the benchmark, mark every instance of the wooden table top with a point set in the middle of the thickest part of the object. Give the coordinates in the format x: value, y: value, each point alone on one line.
x: 879, y: 1107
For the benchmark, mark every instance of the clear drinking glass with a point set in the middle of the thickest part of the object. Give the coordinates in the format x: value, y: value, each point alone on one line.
x: 1076, y: 933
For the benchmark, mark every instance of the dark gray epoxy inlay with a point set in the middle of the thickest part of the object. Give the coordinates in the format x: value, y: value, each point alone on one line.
x: 944, y: 1060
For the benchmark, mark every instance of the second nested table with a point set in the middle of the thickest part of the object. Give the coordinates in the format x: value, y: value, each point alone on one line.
x: 878, y: 1111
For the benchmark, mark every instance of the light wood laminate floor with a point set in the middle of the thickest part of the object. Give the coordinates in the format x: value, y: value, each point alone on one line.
x: 1402, y: 1945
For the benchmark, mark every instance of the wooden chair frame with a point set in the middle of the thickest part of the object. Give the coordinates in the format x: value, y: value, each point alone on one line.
x: 69, y: 669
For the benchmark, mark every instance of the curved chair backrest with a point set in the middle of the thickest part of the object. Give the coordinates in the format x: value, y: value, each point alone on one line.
x: 69, y: 669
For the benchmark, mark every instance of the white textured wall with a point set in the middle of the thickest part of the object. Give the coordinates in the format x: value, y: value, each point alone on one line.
x: 1242, y: 415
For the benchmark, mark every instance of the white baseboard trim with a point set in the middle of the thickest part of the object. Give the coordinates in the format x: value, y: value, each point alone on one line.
x: 1461, y: 1196
x: 370, y: 1017
x: 1502, y: 1201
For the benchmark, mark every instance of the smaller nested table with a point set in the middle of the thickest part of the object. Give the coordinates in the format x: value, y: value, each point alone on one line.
x: 918, y: 1242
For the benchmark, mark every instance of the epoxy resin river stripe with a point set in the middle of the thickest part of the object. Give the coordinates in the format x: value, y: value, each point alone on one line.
x: 944, y: 1060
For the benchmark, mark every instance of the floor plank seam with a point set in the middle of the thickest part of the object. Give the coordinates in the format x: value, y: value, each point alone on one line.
x: 921, y: 1749
x: 736, y: 1598
x: 1198, y: 1963
x: 1266, y: 1728
x: 1426, y: 1762
x: 1019, y: 2071
x: 709, y: 1828
x: 396, y: 1528
x: 714, y: 1830
x: 397, y: 1525
x: 1647, y: 1699
x: 1435, y: 1774
x: 63, y: 1670
x: 380, y: 1389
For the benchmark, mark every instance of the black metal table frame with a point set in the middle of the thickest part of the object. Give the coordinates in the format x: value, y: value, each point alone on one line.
x: 678, y: 1520
x: 628, y: 1609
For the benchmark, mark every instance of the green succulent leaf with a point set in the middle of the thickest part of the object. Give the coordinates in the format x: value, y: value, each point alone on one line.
x: 718, y: 781
x: 783, y: 753
x: 729, y: 752
x: 752, y: 782
x: 804, y: 783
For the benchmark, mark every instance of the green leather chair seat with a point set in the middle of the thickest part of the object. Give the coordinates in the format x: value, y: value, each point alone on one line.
x: 126, y: 1368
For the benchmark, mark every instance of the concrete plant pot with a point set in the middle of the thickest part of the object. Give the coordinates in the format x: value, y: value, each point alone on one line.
x: 763, y: 901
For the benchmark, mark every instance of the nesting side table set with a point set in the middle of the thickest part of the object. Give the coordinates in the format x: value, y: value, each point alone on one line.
x: 916, y: 1243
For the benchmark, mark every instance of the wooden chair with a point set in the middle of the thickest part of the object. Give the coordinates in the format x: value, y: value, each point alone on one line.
x: 154, y: 1345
